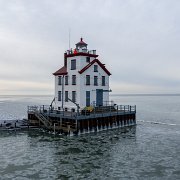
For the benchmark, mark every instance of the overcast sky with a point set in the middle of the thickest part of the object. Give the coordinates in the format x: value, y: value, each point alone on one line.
x: 138, y: 40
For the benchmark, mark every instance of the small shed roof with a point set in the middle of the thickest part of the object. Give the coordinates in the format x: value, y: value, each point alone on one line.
x: 61, y: 71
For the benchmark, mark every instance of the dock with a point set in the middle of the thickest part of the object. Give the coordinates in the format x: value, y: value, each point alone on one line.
x: 73, y: 121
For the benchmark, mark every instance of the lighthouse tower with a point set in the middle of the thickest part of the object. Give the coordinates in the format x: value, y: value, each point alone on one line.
x: 83, y: 80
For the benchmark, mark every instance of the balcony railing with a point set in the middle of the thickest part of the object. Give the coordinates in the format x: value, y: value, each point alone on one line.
x: 108, y: 108
x: 81, y: 51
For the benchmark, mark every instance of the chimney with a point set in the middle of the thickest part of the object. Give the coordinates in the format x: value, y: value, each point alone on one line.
x: 65, y: 59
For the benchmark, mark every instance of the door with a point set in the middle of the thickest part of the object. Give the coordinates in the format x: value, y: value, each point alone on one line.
x: 99, y: 97
x: 87, y: 98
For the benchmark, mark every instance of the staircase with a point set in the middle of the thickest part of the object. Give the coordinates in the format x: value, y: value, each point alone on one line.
x: 44, y: 119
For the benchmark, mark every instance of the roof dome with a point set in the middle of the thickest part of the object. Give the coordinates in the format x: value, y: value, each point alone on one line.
x: 81, y: 44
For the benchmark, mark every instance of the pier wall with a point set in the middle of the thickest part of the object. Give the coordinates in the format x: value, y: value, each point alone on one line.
x: 62, y: 123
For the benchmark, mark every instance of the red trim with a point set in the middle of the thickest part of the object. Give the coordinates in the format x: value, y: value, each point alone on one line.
x: 91, y: 63
x: 82, y: 54
x: 61, y: 71
x: 81, y: 42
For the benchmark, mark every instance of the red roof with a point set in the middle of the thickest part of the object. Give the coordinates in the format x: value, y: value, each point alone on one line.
x: 61, y: 71
x: 91, y: 63
x: 81, y: 42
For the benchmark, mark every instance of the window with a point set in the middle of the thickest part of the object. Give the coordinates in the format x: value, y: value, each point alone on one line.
x: 95, y: 68
x: 95, y: 81
x: 73, y: 64
x: 88, y: 98
x: 103, y: 80
x: 88, y: 59
x: 66, y: 80
x: 74, y: 96
x: 66, y: 96
x: 59, y: 95
x: 87, y: 79
x: 59, y: 80
x: 73, y: 79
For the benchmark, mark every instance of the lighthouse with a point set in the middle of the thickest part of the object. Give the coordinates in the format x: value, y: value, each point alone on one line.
x: 83, y: 81
x: 81, y: 102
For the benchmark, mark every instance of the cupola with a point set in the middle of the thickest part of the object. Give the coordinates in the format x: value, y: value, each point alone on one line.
x: 81, y: 46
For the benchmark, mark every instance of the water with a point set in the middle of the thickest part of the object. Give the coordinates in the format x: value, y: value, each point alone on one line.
x: 151, y: 150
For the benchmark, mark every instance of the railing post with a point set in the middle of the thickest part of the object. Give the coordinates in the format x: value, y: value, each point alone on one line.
x: 54, y: 128
x: 94, y: 111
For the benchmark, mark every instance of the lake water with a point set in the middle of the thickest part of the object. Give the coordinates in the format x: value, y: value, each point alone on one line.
x: 150, y: 150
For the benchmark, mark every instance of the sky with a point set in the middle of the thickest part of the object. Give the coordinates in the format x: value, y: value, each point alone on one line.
x: 138, y: 40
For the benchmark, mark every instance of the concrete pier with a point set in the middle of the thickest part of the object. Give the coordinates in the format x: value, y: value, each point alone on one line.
x: 73, y: 122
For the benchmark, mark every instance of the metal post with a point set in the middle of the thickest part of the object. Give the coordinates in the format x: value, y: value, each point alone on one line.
x: 94, y: 111
x: 54, y: 128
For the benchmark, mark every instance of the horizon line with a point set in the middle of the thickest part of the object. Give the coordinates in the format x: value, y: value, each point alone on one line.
x: 115, y: 94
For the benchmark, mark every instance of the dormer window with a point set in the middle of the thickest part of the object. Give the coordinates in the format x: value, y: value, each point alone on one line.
x: 95, y: 68
x: 88, y: 59
x: 73, y: 64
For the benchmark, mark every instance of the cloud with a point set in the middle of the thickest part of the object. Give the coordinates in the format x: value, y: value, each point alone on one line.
x: 138, y: 40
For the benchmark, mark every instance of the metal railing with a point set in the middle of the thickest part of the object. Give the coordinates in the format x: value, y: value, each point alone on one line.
x: 104, y: 103
x: 71, y: 51
x: 72, y: 112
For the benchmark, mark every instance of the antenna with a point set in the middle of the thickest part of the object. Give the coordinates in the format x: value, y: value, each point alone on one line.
x: 69, y: 38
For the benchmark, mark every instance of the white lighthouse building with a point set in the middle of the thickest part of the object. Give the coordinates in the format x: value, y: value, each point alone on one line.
x: 82, y: 84
x: 83, y: 80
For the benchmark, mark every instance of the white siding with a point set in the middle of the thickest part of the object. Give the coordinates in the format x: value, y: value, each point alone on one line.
x: 81, y: 86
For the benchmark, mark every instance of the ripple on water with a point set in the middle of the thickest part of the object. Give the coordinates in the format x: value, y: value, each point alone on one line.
x: 131, y: 153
